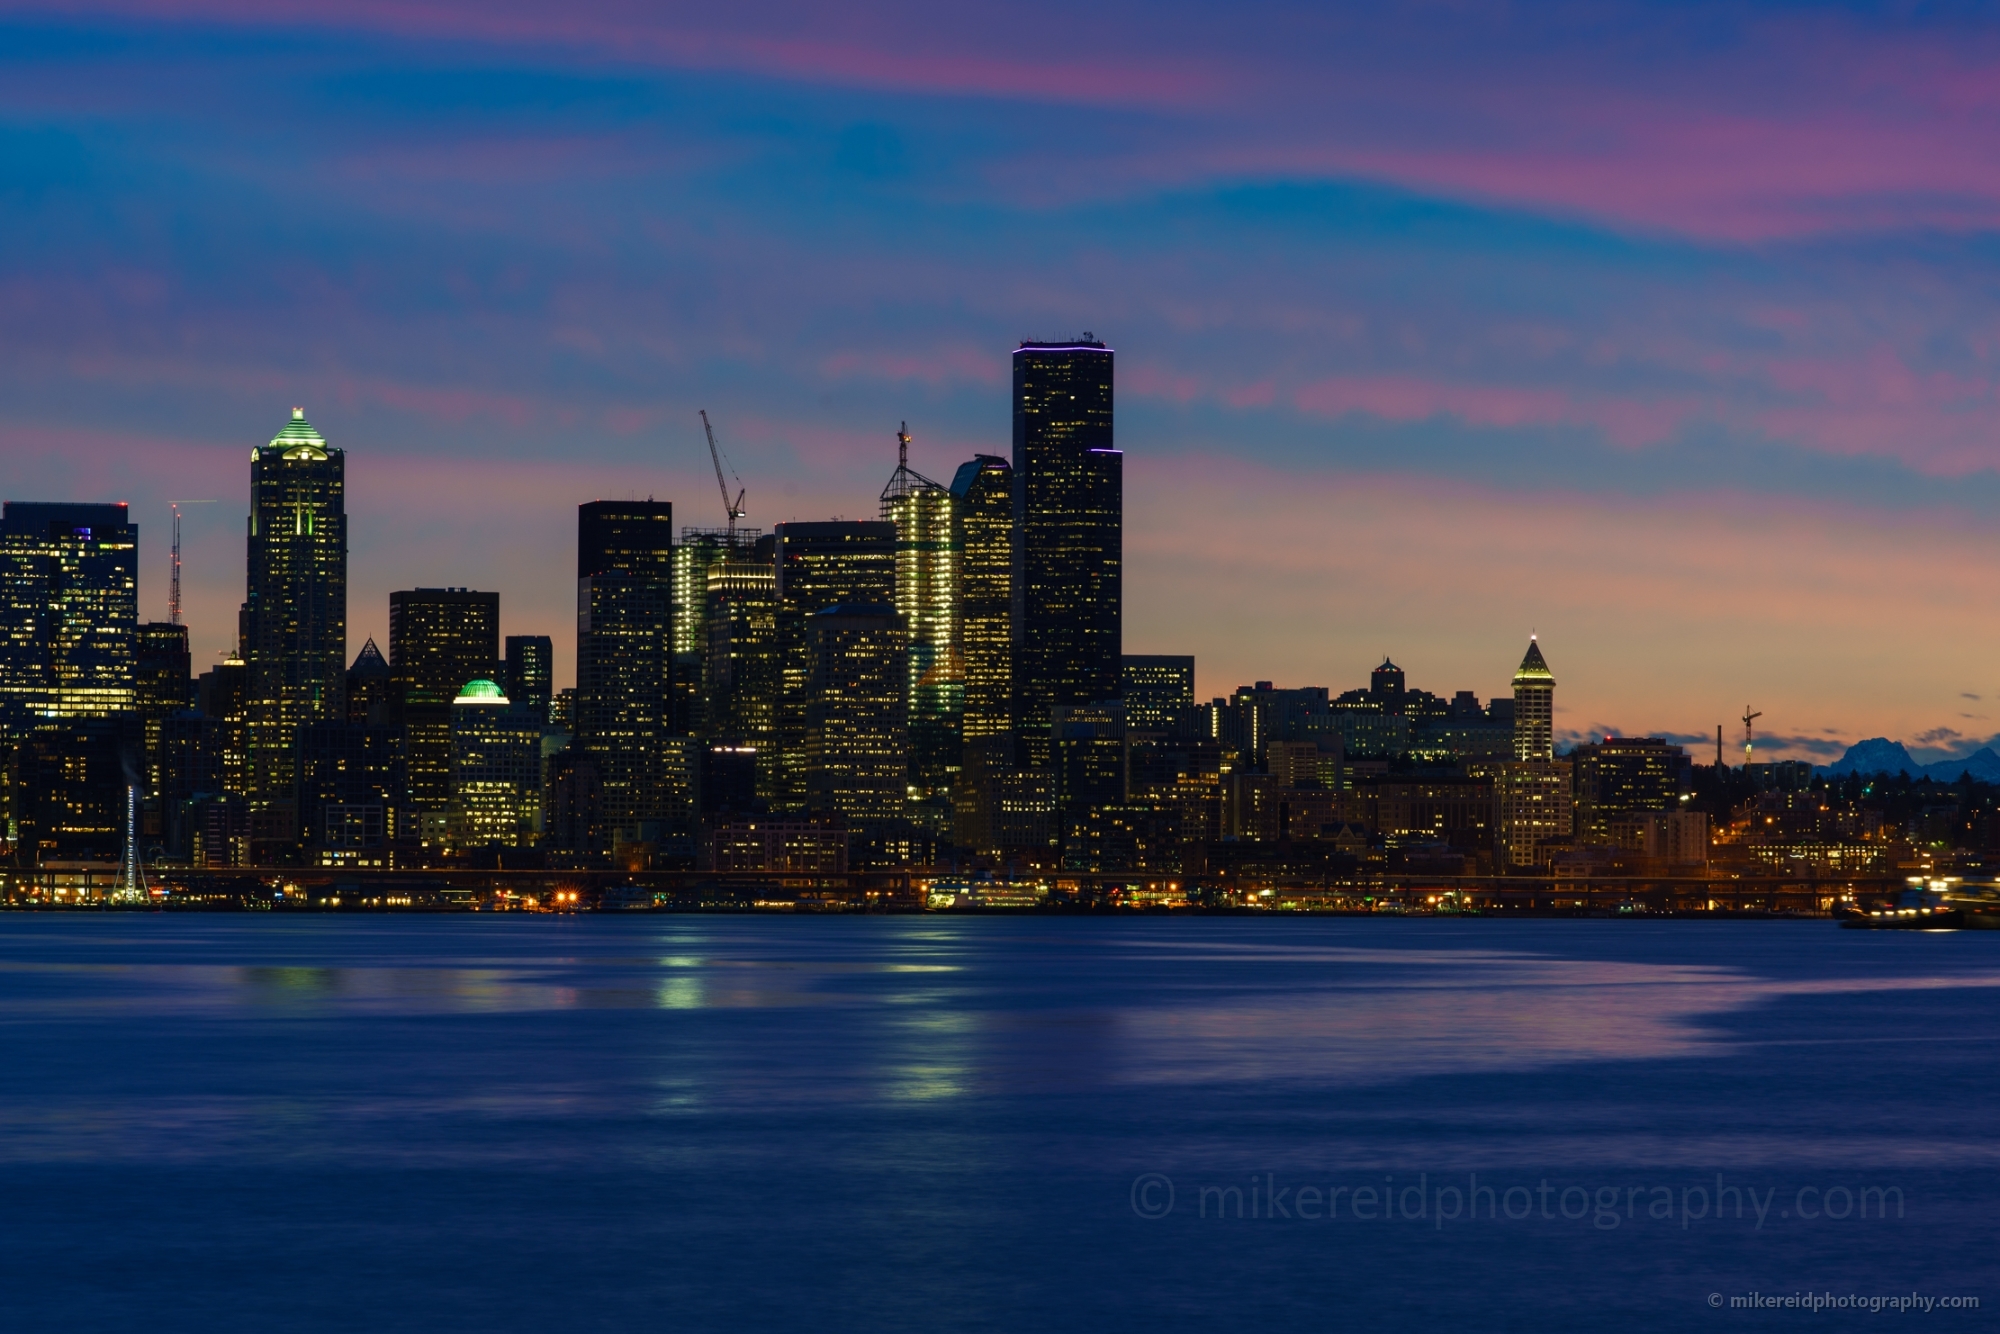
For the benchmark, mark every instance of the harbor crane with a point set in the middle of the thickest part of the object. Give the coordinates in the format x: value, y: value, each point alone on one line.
x: 1748, y: 718
x: 733, y: 508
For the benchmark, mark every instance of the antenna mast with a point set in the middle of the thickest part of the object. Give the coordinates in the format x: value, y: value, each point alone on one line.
x: 734, y: 509
x: 174, y: 588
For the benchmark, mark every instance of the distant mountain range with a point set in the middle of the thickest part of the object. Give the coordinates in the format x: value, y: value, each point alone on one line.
x: 1879, y: 755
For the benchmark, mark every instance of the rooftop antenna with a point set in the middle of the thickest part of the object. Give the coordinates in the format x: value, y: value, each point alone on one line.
x: 734, y: 508
x: 1748, y: 718
x: 174, y: 586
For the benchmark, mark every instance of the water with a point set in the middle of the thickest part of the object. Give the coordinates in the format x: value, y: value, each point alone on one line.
x: 241, y: 1123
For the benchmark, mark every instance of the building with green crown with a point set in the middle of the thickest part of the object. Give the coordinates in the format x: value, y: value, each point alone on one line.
x: 294, y: 621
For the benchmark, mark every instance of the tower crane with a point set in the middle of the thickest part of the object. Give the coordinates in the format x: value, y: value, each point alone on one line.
x: 734, y: 508
x: 1748, y: 718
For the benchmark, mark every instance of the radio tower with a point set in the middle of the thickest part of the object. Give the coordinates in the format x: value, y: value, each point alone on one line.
x: 174, y: 587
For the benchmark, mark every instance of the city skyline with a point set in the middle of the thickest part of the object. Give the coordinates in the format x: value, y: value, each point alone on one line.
x: 1718, y: 424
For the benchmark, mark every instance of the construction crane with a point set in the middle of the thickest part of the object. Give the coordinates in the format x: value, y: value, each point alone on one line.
x: 1748, y: 718
x: 733, y: 508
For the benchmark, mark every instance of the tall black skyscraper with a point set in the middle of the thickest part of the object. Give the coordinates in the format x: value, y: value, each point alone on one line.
x: 294, y: 620
x: 530, y: 673
x: 1068, y: 537
x: 624, y: 669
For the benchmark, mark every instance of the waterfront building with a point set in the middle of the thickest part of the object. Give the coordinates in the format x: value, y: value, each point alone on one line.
x: 857, y: 723
x: 70, y: 779
x: 496, y: 769
x: 69, y: 594
x: 1087, y: 760
x: 819, y: 565
x: 293, y: 625
x: 530, y: 673
x: 194, y: 758
x: 1535, y: 805
x: 439, y: 638
x: 927, y: 585
x: 1068, y: 537
x: 352, y: 788
x: 1158, y: 690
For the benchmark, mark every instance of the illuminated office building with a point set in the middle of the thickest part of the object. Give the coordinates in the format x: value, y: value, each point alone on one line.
x: 163, y: 687
x: 983, y: 512
x: 1158, y: 690
x: 294, y: 618
x: 439, y: 638
x: 496, y: 770
x: 69, y: 591
x: 1621, y: 777
x: 1068, y: 537
x: 1534, y: 793
x: 819, y: 565
x: 741, y: 677
x: 857, y: 735
x: 927, y: 598
x: 69, y: 778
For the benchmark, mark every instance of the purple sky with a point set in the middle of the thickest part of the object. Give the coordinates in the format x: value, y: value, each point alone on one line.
x: 1666, y: 331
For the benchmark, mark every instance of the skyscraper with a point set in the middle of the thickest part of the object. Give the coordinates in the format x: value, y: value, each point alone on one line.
x: 624, y: 666
x: 857, y: 693
x: 530, y: 673
x: 819, y: 565
x: 740, y: 672
x: 1068, y: 536
x: 1534, y: 706
x: 983, y: 492
x: 370, y: 687
x: 1533, y: 792
x: 294, y: 619
x: 927, y: 598
x: 439, y: 638
x: 69, y: 594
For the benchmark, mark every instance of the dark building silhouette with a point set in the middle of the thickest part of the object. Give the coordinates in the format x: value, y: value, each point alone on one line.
x: 1068, y: 537
x: 1087, y: 760
x: 194, y: 752
x: 222, y: 694
x: 370, y: 693
x: 294, y: 619
x: 163, y: 687
x: 624, y: 673
x: 439, y: 638
x: 530, y: 673
x: 351, y: 792
x: 1158, y: 690
x: 819, y: 565
x: 69, y: 779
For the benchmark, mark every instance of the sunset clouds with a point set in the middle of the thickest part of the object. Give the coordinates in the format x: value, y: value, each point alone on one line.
x: 1669, y: 330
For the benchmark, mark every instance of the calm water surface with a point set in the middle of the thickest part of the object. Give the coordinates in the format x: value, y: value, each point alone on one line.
x: 230, y: 1123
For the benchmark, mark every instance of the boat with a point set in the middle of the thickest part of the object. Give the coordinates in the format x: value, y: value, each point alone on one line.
x: 1935, y: 918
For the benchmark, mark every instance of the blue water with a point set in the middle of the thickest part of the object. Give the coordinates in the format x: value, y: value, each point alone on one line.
x: 224, y: 1123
